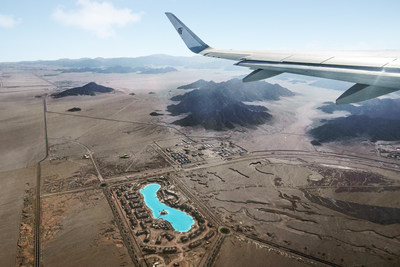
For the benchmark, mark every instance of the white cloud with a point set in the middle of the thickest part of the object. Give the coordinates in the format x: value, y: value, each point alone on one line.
x: 8, y: 21
x: 100, y: 18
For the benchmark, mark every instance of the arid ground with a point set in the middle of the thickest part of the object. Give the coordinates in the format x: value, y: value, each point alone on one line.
x: 284, y: 201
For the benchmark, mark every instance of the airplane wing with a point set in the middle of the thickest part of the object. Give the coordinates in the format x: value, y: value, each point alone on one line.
x: 375, y: 73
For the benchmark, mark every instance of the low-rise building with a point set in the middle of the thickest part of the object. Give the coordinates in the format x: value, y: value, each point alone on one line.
x: 195, y: 244
x: 170, y: 250
x: 209, y: 235
x: 149, y: 249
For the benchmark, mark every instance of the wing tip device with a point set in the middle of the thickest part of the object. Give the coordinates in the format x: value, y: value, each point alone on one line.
x: 192, y: 41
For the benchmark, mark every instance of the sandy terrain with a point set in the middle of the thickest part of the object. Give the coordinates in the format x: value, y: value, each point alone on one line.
x: 239, y: 252
x: 270, y: 196
x: 269, y: 205
x: 14, y: 185
x: 292, y: 118
x: 21, y: 131
x: 78, y: 230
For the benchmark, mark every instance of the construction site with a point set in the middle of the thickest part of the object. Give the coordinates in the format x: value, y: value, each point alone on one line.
x: 191, y: 152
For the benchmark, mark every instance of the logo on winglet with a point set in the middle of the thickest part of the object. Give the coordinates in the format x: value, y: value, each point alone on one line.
x: 180, y: 30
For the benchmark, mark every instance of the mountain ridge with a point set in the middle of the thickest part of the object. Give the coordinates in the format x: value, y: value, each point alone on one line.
x: 219, y: 106
x: 376, y: 119
x: 88, y: 89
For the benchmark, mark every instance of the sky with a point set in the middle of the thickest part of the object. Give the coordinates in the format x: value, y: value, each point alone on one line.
x: 54, y: 29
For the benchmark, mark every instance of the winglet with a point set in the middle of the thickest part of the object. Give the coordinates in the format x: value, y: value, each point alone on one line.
x: 194, y: 43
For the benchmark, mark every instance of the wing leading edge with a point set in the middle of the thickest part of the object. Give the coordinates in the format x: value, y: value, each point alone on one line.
x: 375, y: 73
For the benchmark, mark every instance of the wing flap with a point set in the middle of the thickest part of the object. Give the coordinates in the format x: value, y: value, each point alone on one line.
x: 274, y: 57
x: 314, y: 59
x: 232, y: 55
x: 359, y: 61
x: 260, y: 74
x: 394, y: 64
x: 362, y: 92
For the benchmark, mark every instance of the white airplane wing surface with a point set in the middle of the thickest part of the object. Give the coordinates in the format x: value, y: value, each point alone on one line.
x: 375, y: 73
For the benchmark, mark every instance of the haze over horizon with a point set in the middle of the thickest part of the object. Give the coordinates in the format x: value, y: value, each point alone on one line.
x: 89, y: 29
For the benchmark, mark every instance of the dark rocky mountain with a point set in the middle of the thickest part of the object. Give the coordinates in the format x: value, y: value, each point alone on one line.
x: 155, y: 113
x: 74, y: 109
x: 374, y: 108
x: 330, y: 107
x: 219, y: 106
x: 88, y: 89
x: 238, y: 90
x: 376, y: 119
x: 196, y: 84
x: 358, y: 126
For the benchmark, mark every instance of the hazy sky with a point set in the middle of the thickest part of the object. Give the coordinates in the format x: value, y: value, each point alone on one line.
x: 52, y: 29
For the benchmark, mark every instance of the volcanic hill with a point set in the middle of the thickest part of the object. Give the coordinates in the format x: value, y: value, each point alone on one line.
x: 218, y: 106
x: 88, y: 89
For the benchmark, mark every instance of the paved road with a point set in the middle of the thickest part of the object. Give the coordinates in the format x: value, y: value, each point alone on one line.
x: 37, y: 247
x: 90, y: 153
x: 125, y: 121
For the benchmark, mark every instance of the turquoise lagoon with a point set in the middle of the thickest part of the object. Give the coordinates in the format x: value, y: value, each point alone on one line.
x: 179, y: 220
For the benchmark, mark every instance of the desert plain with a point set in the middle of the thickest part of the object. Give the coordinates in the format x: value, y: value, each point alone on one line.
x: 270, y: 196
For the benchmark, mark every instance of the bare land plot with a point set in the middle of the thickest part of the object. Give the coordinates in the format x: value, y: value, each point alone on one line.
x: 14, y: 186
x: 79, y: 230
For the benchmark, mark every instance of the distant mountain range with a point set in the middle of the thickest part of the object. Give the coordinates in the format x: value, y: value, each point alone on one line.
x: 331, y: 84
x: 88, y: 89
x: 121, y: 69
x: 376, y: 119
x: 157, y: 70
x: 219, y: 106
x: 151, y: 61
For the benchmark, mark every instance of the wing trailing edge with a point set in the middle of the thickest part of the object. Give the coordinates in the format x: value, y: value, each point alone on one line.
x: 362, y: 92
x: 260, y: 74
